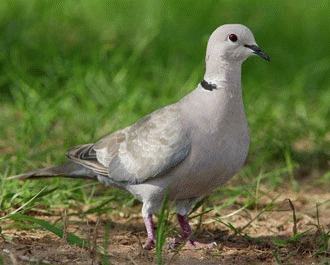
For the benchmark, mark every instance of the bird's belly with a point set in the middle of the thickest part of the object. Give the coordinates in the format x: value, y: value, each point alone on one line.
x: 201, y: 173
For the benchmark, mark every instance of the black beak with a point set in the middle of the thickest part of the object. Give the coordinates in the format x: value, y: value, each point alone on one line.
x: 256, y: 50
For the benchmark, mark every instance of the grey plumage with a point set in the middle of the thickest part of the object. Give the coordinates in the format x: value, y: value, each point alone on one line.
x: 186, y: 149
x: 69, y: 170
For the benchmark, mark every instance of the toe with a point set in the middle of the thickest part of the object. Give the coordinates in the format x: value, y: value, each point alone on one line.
x: 149, y: 244
x: 196, y: 244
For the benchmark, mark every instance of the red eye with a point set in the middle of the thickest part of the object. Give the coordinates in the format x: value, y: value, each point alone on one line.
x: 233, y: 37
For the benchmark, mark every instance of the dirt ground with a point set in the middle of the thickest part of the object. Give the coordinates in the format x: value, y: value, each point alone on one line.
x: 259, y: 243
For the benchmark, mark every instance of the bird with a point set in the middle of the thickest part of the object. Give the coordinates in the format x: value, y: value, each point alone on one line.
x: 183, y: 150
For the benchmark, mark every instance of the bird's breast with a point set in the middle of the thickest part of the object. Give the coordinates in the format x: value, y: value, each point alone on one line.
x: 213, y: 160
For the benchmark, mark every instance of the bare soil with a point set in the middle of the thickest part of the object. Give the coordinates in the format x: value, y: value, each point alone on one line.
x: 258, y: 243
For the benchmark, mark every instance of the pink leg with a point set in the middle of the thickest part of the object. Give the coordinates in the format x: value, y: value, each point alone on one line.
x: 183, y: 221
x: 186, y: 229
x: 150, y: 231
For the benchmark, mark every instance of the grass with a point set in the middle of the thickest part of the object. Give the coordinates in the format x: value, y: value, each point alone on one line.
x: 162, y: 231
x: 72, y: 73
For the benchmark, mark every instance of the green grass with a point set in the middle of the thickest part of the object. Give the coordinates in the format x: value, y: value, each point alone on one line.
x: 72, y: 72
x: 162, y: 231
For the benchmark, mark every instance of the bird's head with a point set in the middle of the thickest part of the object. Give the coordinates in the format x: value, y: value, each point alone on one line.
x: 233, y: 43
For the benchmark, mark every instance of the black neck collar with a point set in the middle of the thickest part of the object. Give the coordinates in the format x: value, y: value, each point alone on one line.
x: 207, y: 85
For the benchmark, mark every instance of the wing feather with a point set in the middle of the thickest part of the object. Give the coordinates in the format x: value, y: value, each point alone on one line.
x: 85, y: 155
x: 148, y: 148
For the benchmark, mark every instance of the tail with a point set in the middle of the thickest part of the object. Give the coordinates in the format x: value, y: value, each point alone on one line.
x: 69, y: 170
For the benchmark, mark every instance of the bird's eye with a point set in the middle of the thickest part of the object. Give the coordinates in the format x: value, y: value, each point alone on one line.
x: 233, y: 37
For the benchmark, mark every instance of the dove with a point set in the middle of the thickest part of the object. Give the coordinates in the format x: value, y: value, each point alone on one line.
x: 183, y: 150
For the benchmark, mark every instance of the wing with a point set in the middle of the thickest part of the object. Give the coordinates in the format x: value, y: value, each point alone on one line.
x: 85, y: 155
x: 149, y: 148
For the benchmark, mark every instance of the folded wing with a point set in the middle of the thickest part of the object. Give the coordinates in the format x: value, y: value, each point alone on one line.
x: 149, y: 148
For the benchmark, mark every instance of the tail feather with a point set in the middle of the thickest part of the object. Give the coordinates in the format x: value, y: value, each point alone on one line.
x: 69, y: 170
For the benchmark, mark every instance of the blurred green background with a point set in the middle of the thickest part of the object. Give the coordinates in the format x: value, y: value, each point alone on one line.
x: 73, y: 71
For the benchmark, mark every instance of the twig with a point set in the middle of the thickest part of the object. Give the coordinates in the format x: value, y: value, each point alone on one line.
x: 131, y: 259
x: 93, y: 245
x: 65, y: 226
x: 294, y: 229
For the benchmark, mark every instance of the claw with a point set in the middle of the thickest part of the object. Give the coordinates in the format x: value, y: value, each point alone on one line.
x: 190, y: 244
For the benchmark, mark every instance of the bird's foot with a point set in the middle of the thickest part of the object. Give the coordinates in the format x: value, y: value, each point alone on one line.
x: 150, y: 231
x: 186, y: 236
x: 195, y: 244
x: 149, y: 244
x: 190, y: 244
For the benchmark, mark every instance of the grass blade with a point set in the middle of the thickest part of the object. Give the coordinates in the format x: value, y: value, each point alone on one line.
x: 24, y: 205
x: 161, y: 230
x: 71, y: 238
x: 277, y: 258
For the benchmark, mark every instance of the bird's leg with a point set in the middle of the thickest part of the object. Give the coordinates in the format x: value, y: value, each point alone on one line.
x: 186, y: 229
x: 186, y: 234
x: 149, y: 224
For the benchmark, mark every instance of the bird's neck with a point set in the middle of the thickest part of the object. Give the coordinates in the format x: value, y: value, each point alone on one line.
x: 224, y: 104
x: 213, y: 106
x: 223, y: 74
